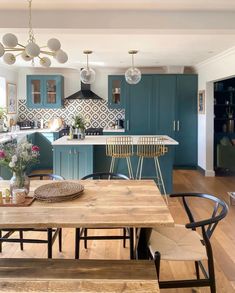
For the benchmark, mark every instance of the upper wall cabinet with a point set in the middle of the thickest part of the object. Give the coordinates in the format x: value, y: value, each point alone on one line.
x: 45, y: 91
x: 116, y: 91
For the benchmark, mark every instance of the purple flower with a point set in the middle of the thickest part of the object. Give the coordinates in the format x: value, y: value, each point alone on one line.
x: 2, y: 154
x: 35, y: 148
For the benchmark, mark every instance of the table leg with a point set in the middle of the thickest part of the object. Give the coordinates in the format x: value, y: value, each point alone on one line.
x: 142, y: 243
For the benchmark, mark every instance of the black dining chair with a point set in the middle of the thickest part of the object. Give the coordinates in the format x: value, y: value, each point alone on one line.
x: 184, y: 243
x: 82, y: 234
x: 51, y: 233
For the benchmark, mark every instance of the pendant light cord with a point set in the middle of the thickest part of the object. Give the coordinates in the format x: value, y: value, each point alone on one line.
x: 87, y: 66
x: 132, y: 55
x: 31, y: 34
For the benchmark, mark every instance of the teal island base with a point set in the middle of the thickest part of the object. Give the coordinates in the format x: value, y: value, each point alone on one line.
x: 76, y: 161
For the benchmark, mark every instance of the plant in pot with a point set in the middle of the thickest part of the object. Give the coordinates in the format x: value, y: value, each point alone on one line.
x: 79, y: 126
x: 3, y: 118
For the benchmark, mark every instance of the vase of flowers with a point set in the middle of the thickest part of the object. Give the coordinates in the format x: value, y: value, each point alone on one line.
x: 19, y: 157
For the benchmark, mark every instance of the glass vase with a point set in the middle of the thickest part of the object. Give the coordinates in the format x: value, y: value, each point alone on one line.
x: 19, y: 181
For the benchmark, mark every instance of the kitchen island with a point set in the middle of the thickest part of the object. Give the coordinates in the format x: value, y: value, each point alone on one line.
x: 74, y: 159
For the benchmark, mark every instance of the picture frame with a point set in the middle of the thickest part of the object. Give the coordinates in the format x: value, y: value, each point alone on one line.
x: 11, y: 98
x: 201, y: 102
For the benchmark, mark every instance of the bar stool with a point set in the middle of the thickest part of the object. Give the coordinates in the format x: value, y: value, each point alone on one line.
x: 120, y: 147
x: 151, y: 147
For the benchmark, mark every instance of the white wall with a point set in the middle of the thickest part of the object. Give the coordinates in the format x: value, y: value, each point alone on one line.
x: 220, y: 67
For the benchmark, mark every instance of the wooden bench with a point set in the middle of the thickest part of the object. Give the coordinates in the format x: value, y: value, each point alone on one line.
x: 60, y: 275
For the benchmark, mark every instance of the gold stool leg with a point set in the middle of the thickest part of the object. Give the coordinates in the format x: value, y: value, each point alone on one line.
x: 162, y: 182
x: 138, y: 166
x: 111, y: 169
x: 141, y: 167
x: 128, y: 160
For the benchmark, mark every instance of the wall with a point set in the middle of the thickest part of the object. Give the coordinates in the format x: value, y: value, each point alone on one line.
x: 219, y: 67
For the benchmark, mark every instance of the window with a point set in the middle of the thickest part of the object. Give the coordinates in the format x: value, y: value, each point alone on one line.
x: 3, y: 92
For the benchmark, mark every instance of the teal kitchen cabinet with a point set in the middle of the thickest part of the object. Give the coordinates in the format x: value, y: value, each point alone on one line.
x: 116, y: 91
x: 45, y: 91
x: 138, y: 118
x: 163, y: 108
x: 73, y: 162
x: 186, y: 121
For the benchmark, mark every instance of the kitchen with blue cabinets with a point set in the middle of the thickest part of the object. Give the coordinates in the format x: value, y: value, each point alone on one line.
x: 160, y: 104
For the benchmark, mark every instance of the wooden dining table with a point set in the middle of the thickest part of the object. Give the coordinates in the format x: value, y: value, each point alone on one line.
x: 104, y: 203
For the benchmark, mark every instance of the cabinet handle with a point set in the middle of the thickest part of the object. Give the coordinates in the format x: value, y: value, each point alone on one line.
x: 178, y: 125
x: 127, y: 125
x: 174, y: 125
x: 70, y: 152
x: 75, y: 152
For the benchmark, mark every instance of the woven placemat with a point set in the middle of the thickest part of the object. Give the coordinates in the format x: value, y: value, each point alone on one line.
x: 58, y: 191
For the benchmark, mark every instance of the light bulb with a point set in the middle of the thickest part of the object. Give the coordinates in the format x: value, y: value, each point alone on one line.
x: 25, y: 56
x: 9, y: 58
x: 87, y: 75
x: 9, y: 40
x: 61, y: 56
x: 53, y: 44
x: 45, y: 62
x: 32, y: 49
x: 2, y: 50
x: 133, y: 75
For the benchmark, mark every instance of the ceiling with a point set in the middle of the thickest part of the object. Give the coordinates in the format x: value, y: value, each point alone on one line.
x: 200, y: 5
x: 166, y: 32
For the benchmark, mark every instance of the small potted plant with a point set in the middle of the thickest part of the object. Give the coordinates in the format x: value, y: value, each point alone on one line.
x: 79, y: 126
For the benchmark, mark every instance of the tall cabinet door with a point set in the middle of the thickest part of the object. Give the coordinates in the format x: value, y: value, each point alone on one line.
x: 138, y: 106
x: 163, y: 110
x: 186, y: 121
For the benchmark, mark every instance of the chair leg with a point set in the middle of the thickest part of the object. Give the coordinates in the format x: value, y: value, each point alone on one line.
x: 21, y: 240
x: 211, y: 272
x: 111, y: 169
x: 77, y: 243
x: 162, y: 182
x: 157, y: 260
x: 49, y: 244
x: 197, y: 270
x: 60, y: 240
x: 132, y: 175
x: 85, y: 240
x: 124, y: 240
x: 132, y: 243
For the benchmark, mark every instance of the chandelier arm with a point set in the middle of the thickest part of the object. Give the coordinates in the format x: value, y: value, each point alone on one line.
x: 47, y: 52
x: 13, y: 49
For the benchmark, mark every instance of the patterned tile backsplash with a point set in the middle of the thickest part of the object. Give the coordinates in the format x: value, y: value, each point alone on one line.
x: 96, y: 112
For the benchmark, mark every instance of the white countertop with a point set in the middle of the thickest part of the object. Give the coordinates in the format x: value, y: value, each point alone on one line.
x: 113, y: 130
x: 7, y: 136
x: 101, y: 140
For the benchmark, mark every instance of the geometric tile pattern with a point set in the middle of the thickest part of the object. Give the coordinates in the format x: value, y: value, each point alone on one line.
x: 96, y: 112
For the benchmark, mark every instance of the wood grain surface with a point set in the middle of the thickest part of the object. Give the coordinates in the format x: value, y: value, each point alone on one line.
x: 109, y: 203
x: 58, y: 275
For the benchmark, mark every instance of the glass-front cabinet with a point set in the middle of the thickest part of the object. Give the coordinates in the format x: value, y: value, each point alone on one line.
x: 116, y: 91
x: 44, y: 91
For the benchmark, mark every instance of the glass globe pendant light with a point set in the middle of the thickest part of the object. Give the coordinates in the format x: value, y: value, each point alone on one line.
x: 31, y: 50
x: 133, y: 74
x: 87, y: 74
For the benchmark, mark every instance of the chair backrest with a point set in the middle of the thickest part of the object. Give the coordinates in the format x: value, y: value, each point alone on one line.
x: 151, y: 146
x: 46, y: 176
x: 208, y: 225
x: 119, y: 146
x: 105, y: 175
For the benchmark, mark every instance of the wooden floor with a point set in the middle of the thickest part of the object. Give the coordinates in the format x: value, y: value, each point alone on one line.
x: 223, y: 240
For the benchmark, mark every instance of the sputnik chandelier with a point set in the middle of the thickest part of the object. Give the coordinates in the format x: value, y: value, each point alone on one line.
x: 31, y: 50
